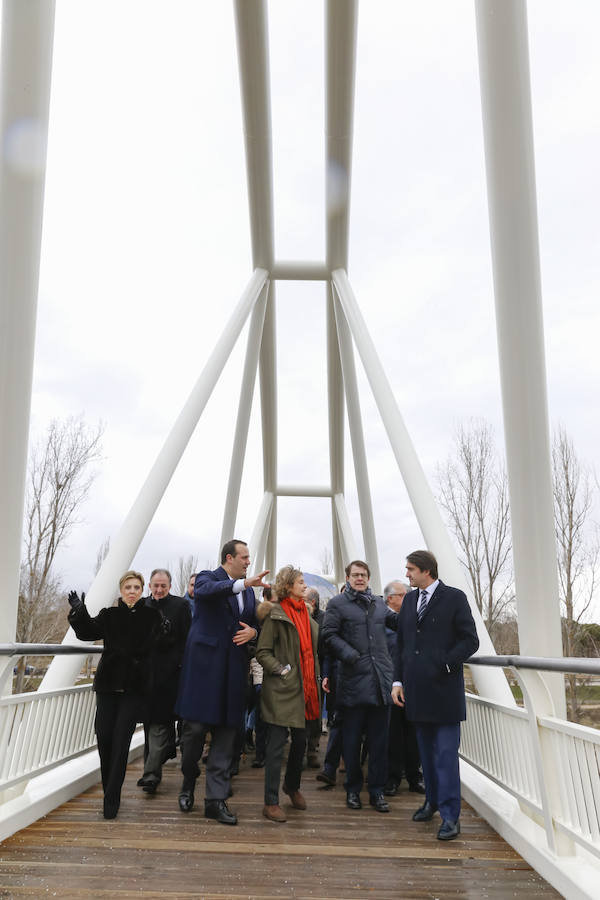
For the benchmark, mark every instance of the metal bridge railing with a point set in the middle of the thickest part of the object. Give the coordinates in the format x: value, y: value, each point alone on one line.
x: 43, y: 729
x: 551, y: 766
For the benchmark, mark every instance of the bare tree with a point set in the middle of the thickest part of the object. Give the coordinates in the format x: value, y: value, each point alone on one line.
x: 58, y: 483
x: 326, y: 561
x: 578, y: 547
x: 473, y: 492
x: 185, y: 568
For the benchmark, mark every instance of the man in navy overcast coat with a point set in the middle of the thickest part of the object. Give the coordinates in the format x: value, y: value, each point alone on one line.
x: 436, y: 635
x: 213, y: 678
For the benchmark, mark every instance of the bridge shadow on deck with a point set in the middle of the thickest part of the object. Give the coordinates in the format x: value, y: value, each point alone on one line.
x: 154, y: 850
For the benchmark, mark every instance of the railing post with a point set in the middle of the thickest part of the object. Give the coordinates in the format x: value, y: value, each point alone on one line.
x: 538, y: 701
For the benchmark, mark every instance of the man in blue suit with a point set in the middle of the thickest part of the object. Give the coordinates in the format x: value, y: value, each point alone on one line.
x: 212, y: 687
x: 436, y: 635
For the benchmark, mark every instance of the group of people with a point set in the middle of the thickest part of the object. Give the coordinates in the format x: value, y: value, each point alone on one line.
x: 392, y: 670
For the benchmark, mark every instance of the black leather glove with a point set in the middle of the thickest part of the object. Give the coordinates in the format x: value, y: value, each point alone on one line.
x: 75, y: 601
x: 165, y: 626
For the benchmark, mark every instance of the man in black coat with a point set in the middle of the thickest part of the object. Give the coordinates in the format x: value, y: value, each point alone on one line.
x: 354, y: 632
x: 436, y: 635
x: 159, y: 726
x: 403, y: 752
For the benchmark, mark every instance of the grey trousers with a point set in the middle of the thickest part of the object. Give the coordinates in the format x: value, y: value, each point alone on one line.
x: 220, y: 755
x: 159, y: 740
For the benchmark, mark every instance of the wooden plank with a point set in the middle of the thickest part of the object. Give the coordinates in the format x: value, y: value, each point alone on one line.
x: 324, y: 853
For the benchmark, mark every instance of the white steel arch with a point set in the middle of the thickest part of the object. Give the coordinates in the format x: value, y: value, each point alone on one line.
x: 503, y: 49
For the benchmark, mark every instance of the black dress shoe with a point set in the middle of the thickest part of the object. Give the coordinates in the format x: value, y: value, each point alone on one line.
x: 217, y: 809
x: 148, y: 780
x: 416, y: 787
x: 326, y: 778
x: 353, y: 801
x: 391, y: 789
x: 259, y: 763
x: 379, y: 802
x: 186, y: 796
x: 448, y: 830
x: 424, y: 813
x: 150, y: 784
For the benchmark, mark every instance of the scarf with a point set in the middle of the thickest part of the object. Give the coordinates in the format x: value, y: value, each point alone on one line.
x: 297, y: 612
x: 364, y: 597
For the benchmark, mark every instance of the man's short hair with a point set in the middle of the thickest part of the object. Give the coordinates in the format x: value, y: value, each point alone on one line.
x: 360, y: 564
x: 158, y: 572
x: 229, y: 549
x: 425, y: 561
x: 313, y: 595
x: 389, y: 589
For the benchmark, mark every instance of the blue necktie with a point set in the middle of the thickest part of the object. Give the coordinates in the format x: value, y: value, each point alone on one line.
x: 422, y: 605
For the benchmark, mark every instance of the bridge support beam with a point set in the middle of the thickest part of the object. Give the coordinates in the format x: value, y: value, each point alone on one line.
x: 489, y: 684
x: 510, y: 167
x: 25, y: 76
x: 63, y: 670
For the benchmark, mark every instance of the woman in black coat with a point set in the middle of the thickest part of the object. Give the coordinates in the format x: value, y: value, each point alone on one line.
x: 129, y: 630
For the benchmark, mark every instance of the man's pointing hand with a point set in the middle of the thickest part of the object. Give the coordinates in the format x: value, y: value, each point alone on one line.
x: 257, y: 580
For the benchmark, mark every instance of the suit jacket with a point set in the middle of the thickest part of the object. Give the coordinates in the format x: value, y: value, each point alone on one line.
x: 431, y: 653
x: 212, y: 686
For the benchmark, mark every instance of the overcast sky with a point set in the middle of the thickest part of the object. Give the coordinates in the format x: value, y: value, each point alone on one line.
x: 146, y: 250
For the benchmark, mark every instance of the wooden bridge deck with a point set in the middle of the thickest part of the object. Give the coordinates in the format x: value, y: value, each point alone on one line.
x: 153, y: 850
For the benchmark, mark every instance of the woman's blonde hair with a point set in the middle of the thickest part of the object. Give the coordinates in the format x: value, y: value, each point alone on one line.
x: 131, y: 574
x: 284, y: 580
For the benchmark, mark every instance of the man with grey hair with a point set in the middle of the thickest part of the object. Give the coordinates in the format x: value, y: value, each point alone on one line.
x: 159, y: 724
x: 403, y: 751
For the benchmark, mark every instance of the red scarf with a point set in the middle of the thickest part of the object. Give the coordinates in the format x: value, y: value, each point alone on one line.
x: 298, y: 613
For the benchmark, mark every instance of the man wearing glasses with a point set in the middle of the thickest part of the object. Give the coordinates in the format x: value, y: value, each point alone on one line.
x: 354, y: 632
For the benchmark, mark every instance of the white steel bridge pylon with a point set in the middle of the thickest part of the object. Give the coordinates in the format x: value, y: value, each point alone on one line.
x: 502, y: 37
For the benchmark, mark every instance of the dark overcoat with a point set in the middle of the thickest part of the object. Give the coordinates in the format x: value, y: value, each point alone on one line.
x: 212, y: 685
x: 282, y: 696
x: 354, y: 632
x: 129, y: 637
x: 167, y: 657
x: 431, y: 654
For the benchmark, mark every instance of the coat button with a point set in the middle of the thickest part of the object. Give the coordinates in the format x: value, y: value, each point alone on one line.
x: 416, y: 651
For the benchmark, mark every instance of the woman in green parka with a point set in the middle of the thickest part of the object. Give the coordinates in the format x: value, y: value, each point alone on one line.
x: 287, y: 651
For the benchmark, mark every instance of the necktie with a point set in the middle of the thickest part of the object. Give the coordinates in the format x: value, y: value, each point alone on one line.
x: 422, y: 605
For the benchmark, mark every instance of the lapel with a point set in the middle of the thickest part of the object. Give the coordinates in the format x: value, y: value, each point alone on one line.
x: 221, y: 575
x: 433, y: 600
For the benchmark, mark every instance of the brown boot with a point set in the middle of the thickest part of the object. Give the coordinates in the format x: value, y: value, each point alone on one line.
x: 298, y: 801
x: 274, y: 813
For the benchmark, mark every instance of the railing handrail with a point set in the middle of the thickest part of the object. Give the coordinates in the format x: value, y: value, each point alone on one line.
x: 49, y: 649
x: 578, y: 665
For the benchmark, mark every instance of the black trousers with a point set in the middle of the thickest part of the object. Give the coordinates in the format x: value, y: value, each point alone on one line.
x: 372, y: 721
x: 334, y: 745
x: 403, y: 750
x: 276, y: 738
x: 116, y: 717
